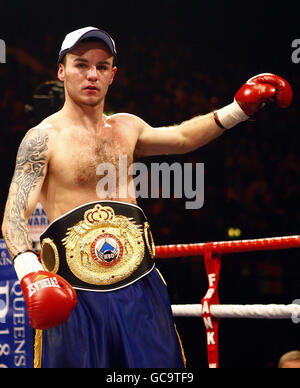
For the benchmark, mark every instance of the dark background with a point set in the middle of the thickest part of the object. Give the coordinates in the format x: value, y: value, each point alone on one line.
x: 178, y: 60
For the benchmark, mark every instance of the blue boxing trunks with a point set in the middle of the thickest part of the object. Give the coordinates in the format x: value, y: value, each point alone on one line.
x: 128, y: 328
x: 123, y: 318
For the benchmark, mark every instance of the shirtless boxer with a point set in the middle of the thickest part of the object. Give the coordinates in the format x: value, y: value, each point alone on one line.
x: 119, y: 315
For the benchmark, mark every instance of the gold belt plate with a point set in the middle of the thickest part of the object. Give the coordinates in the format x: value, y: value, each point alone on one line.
x: 104, y: 248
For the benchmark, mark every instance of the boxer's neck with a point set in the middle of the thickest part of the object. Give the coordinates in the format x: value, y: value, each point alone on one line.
x: 89, y: 117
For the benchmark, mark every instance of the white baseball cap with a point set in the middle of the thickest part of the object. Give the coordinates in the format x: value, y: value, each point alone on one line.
x: 74, y: 37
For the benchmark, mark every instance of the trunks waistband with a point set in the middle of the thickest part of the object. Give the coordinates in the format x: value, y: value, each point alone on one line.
x: 100, y: 246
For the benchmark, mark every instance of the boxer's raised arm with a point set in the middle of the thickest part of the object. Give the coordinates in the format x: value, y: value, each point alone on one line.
x: 194, y: 133
x: 177, y: 139
x: 30, y: 170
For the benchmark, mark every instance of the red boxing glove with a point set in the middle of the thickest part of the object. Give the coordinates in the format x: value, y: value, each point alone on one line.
x: 50, y: 299
x: 262, y: 88
x: 252, y: 96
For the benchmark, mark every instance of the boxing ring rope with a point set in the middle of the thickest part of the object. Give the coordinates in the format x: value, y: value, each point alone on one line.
x: 210, y: 309
x: 237, y: 246
x: 254, y: 311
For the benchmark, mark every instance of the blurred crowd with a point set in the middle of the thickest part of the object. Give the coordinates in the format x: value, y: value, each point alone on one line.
x: 250, y: 172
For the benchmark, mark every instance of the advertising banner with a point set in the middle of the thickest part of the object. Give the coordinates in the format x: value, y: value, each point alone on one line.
x: 15, y: 332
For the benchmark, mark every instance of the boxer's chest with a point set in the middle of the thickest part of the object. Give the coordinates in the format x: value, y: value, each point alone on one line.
x: 85, y: 159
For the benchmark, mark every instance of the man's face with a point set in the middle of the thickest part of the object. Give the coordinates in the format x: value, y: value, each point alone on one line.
x: 87, y: 73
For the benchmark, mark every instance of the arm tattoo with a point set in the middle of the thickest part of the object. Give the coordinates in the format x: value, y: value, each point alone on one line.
x: 30, y: 166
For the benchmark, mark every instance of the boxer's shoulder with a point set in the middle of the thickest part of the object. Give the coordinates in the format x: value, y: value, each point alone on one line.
x: 127, y: 119
x: 128, y: 122
x: 121, y: 117
x: 50, y: 123
x: 49, y: 128
x: 40, y: 138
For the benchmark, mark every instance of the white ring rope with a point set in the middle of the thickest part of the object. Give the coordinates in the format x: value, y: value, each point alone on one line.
x: 255, y: 311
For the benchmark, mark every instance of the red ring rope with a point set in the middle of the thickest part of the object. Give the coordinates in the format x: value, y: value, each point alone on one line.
x: 184, y: 250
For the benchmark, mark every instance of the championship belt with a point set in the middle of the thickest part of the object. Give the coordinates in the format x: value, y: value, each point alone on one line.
x: 99, y: 246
